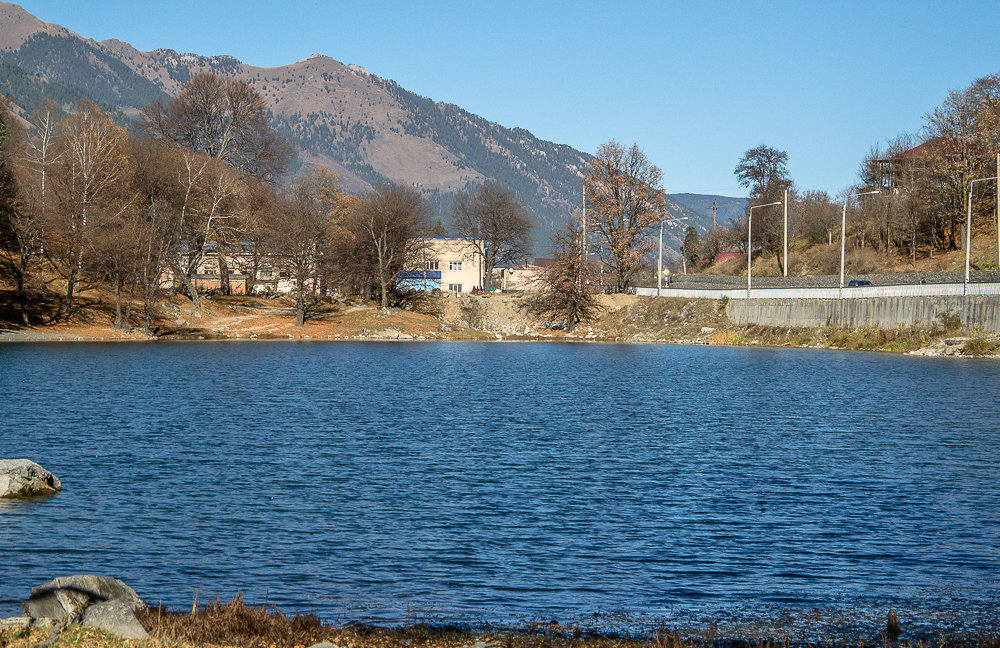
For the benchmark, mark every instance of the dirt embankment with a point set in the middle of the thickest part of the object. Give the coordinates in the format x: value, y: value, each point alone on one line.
x: 620, y: 318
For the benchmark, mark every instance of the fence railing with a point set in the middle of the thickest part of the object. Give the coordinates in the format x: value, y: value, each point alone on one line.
x: 919, y: 290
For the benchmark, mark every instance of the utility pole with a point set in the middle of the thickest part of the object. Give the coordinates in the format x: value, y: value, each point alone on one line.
x: 998, y: 212
x: 659, y: 263
x: 715, y: 215
x: 786, y: 232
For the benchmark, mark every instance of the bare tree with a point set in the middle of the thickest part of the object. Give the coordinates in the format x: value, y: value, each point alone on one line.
x: 204, y: 196
x: 625, y: 196
x: 764, y: 171
x: 384, y: 229
x: 258, y: 224
x: 564, y: 289
x: 817, y: 217
x: 301, y: 235
x: 495, y: 224
x: 223, y: 118
x: 90, y: 177
x: 20, y: 230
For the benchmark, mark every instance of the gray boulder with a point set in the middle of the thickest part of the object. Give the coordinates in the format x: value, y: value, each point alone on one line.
x: 116, y: 617
x: 67, y: 598
x: 25, y: 478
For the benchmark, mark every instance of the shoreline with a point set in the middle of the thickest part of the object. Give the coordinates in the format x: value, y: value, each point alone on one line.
x: 17, y: 337
x: 621, y: 319
x: 214, y: 623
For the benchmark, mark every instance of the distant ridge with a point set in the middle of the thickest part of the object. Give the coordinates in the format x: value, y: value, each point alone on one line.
x: 368, y: 129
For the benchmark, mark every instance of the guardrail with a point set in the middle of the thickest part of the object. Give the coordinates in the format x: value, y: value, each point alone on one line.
x: 859, y: 292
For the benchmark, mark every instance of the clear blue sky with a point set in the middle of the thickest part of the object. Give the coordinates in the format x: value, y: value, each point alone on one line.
x: 693, y: 83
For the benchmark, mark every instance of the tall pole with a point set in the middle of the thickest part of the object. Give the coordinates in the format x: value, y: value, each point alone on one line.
x: 750, y: 238
x: 659, y: 263
x: 749, y: 249
x: 715, y: 210
x: 968, y: 241
x: 786, y: 232
x: 998, y: 212
x: 843, y: 244
x: 968, y: 228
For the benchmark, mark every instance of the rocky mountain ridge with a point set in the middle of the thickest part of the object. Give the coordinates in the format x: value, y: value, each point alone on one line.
x: 368, y: 129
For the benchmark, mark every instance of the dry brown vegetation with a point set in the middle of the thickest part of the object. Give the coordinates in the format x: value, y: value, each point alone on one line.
x: 236, y: 624
x: 614, y: 318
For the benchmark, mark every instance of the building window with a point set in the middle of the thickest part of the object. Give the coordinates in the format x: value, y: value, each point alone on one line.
x: 455, y: 287
x: 431, y: 265
x: 454, y: 265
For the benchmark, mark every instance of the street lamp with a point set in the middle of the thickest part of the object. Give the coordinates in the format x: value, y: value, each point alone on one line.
x: 659, y: 261
x: 968, y: 233
x: 750, y: 239
x: 843, y: 234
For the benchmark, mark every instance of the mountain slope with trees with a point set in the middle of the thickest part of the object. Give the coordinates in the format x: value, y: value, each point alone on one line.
x: 368, y: 129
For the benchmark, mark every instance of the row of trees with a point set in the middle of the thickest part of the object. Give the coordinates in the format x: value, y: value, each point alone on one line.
x: 920, y: 208
x: 84, y: 203
x: 922, y: 183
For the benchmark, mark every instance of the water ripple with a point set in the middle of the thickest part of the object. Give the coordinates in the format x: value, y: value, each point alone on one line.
x: 484, y: 481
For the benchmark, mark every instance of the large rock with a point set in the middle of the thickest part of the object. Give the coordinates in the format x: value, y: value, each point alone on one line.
x: 25, y: 478
x: 67, y: 598
x: 116, y: 617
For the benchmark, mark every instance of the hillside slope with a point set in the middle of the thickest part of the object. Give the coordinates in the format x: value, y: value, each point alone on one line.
x: 368, y: 129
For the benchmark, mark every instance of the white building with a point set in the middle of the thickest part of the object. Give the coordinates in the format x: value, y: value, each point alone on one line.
x: 447, y: 264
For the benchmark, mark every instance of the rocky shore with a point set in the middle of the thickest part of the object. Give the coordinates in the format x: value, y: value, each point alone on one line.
x: 100, y: 612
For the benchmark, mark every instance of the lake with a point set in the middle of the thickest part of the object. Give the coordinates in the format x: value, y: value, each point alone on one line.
x: 501, y: 482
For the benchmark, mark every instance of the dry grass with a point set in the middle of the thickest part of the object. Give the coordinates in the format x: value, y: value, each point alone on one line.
x: 233, y: 624
x: 980, y: 347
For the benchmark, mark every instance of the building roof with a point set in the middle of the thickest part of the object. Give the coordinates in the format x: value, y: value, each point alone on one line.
x: 946, y: 145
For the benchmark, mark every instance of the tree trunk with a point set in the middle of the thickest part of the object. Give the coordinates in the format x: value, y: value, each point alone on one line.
x: 189, y: 286
x: 250, y: 281
x: 70, y: 288
x: 300, y: 303
x: 22, y: 299
x: 147, y: 309
x: 128, y: 303
x: 224, y: 283
x: 118, y: 303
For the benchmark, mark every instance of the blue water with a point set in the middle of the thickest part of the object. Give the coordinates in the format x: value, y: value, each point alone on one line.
x: 495, y: 481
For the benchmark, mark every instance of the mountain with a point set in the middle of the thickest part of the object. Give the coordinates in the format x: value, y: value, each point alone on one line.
x: 366, y: 128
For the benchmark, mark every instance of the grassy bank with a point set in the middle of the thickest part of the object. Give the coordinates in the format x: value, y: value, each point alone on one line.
x: 233, y: 624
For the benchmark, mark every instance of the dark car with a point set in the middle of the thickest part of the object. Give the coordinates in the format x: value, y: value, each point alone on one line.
x: 857, y: 283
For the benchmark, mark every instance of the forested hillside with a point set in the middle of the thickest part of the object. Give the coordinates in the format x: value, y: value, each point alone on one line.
x: 367, y: 129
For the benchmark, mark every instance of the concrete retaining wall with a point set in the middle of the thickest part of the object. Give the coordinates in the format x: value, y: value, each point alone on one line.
x: 975, y: 312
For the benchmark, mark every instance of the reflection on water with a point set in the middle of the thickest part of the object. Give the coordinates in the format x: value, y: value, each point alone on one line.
x: 489, y: 481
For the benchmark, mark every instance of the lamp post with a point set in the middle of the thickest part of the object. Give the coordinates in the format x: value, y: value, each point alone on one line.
x: 843, y: 234
x: 968, y: 233
x: 659, y: 260
x: 785, y: 238
x: 750, y: 239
